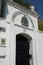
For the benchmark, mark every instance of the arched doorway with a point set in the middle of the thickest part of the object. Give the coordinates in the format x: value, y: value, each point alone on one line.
x: 23, y: 55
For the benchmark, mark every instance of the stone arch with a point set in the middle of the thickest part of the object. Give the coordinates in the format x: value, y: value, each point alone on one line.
x: 19, y: 13
x: 26, y: 37
x: 30, y: 20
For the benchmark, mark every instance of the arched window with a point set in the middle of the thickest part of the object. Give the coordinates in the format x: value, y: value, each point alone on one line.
x: 24, y: 21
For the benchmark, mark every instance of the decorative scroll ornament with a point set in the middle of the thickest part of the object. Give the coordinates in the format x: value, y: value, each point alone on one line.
x: 23, y: 18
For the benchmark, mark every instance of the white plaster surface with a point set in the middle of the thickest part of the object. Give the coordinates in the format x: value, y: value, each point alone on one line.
x: 14, y: 27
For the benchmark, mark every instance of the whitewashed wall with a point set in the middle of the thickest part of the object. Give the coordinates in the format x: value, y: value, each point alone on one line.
x: 10, y: 34
x: 39, y: 48
x: 4, y: 49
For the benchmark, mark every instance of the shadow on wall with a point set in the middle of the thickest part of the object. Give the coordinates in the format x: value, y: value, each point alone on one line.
x: 21, y: 2
x: 3, y: 8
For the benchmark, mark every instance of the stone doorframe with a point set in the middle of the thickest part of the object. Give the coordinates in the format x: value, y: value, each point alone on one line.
x: 30, y: 42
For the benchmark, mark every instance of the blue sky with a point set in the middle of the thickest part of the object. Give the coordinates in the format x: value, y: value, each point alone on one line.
x: 39, y: 6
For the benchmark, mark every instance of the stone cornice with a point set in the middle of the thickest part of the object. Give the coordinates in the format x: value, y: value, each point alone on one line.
x: 13, y: 4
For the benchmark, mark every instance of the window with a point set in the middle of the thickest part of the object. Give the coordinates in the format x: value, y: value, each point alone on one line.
x: 2, y: 41
x: 2, y: 29
x: 2, y: 48
x: 24, y: 21
x: 2, y: 56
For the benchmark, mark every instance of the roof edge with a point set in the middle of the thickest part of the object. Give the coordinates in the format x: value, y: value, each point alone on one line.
x: 22, y: 8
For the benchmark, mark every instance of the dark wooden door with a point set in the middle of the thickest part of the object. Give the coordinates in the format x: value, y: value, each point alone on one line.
x: 22, y: 51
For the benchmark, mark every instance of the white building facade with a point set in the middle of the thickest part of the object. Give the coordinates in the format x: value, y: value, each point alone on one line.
x: 20, y: 24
